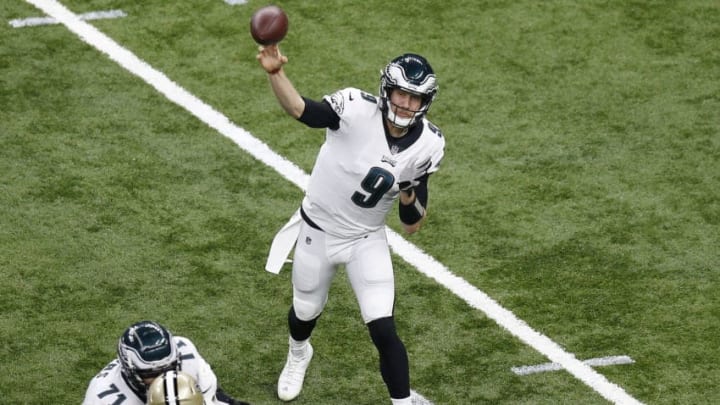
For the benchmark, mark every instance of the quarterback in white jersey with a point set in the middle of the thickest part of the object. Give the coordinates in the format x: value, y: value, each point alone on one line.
x: 145, y: 351
x: 354, y: 183
x: 376, y: 150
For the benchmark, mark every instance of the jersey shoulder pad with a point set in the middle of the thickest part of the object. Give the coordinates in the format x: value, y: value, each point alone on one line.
x: 341, y: 100
x: 433, y: 128
x: 186, y: 347
x: 368, y: 97
x: 433, y: 136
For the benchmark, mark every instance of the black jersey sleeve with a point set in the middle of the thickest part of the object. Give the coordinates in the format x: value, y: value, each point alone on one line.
x: 319, y: 115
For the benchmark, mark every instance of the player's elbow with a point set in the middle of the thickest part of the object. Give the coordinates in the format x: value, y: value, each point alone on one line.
x: 295, y: 110
x: 294, y: 106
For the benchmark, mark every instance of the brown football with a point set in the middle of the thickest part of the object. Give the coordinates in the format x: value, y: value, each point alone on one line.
x: 269, y: 25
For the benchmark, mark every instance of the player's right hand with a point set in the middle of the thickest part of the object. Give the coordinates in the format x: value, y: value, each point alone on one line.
x: 270, y: 58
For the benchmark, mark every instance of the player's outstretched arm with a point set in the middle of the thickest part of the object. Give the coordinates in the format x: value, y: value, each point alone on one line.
x: 272, y: 61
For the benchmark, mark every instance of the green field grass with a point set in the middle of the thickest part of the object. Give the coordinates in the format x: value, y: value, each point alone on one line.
x: 580, y: 190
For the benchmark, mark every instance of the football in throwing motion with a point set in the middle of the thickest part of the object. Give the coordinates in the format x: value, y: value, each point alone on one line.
x: 269, y: 25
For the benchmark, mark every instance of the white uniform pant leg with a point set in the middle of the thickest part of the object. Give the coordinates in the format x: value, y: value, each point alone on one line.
x: 312, y: 273
x: 371, y: 275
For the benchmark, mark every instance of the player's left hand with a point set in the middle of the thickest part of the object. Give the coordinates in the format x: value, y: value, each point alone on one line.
x: 407, y: 179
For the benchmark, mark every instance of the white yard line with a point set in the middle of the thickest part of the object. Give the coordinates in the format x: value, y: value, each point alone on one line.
x: 412, y: 254
x: 93, y: 15
x: 596, y: 362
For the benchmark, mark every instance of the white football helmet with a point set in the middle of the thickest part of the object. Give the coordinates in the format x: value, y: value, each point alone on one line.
x: 174, y: 388
x: 145, y: 351
x: 413, y: 74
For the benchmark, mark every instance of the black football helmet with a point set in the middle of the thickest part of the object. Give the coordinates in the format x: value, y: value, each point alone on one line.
x: 413, y: 74
x: 146, y: 350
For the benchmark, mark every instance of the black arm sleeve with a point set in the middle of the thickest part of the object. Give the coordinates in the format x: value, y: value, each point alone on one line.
x: 319, y: 115
x: 421, y: 190
x: 412, y: 213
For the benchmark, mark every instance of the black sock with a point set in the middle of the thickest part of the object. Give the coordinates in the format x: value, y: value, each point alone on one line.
x: 394, y: 364
x: 299, y: 329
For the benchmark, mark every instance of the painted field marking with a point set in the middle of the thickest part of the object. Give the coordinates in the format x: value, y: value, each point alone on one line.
x: 423, y: 262
x: 595, y: 362
x: 235, y: 2
x: 93, y: 15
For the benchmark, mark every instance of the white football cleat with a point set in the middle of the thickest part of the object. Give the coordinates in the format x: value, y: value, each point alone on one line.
x: 413, y: 399
x: 293, y: 374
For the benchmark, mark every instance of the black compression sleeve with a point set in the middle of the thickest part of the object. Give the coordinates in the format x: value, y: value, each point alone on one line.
x: 412, y: 213
x: 319, y: 115
x: 421, y: 190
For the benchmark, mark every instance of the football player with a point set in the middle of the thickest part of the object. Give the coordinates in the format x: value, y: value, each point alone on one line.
x: 145, y: 351
x: 377, y: 149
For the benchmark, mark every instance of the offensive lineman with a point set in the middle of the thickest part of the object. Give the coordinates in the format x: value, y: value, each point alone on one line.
x: 146, y: 350
x: 376, y: 150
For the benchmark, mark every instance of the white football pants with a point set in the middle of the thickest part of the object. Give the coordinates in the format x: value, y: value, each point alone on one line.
x: 367, y: 262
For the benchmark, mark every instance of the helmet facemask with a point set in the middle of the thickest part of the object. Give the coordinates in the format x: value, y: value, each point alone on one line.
x: 412, y: 74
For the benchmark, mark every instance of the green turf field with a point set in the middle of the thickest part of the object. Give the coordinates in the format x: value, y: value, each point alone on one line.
x: 580, y: 190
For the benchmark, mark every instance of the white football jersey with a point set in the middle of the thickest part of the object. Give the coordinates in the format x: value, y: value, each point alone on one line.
x: 108, y: 387
x: 354, y: 182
